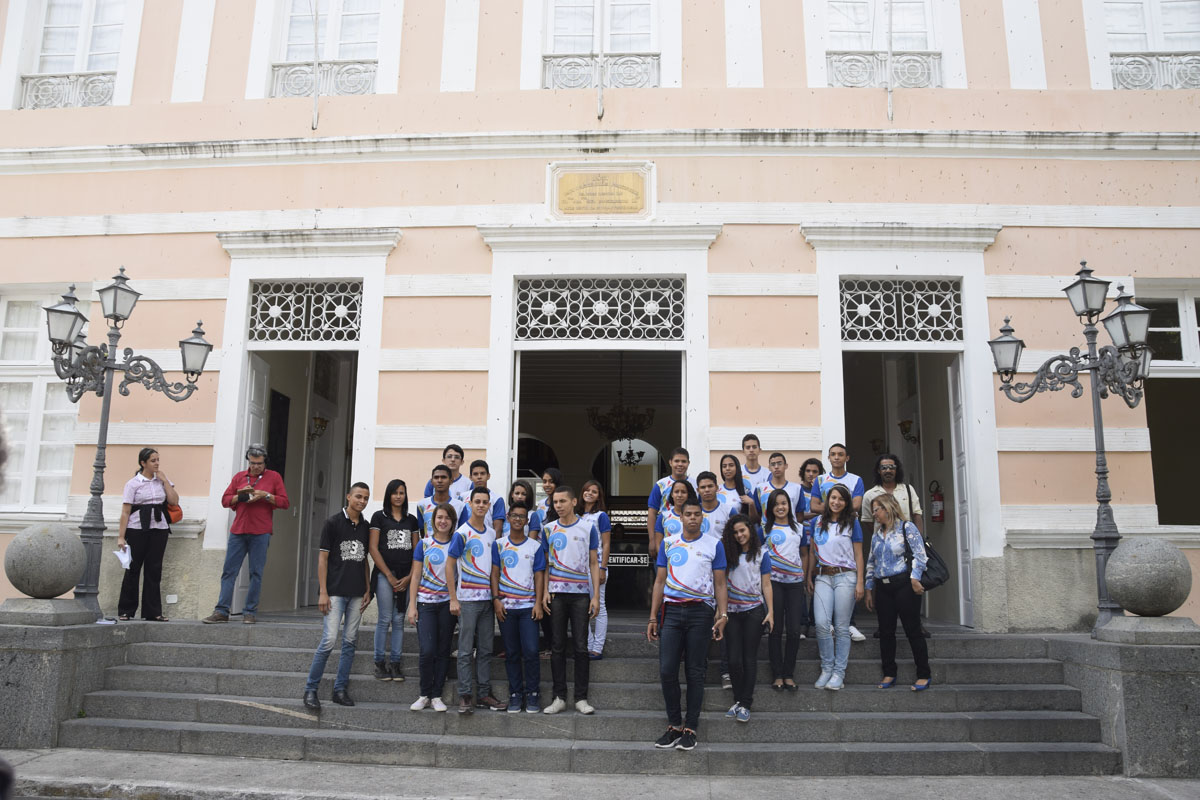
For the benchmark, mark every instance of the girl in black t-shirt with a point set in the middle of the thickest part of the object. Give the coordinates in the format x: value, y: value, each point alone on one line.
x: 394, y: 533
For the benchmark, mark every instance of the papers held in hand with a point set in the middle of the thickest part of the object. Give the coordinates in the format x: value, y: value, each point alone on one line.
x: 123, y: 555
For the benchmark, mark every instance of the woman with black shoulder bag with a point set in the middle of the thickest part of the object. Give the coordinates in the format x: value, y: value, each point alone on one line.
x: 894, y: 589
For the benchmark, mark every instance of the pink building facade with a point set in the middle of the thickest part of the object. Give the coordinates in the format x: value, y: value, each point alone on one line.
x: 498, y: 209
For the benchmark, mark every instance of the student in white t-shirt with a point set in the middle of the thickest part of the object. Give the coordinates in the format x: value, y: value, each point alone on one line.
x: 835, y: 578
x: 518, y: 585
x: 660, y: 492
x: 778, y: 480
x: 750, y: 609
x: 754, y: 473
x: 592, y: 509
x: 736, y: 489
x: 689, y: 585
x: 787, y: 546
x: 717, y: 510
x: 469, y: 579
x: 480, y: 475
x: 452, y: 457
x: 429, y: 606
x: 670, y: 521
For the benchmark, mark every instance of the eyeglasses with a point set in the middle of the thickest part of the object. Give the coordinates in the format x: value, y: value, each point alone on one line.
x: 887, y: 468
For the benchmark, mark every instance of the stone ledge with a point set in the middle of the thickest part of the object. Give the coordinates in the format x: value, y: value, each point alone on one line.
x: 1150, y: 631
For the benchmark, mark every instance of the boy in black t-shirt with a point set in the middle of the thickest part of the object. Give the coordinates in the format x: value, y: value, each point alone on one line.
x: 344, y: 574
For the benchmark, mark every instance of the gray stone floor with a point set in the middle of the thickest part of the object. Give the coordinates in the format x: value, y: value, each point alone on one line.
x: 93, y: 773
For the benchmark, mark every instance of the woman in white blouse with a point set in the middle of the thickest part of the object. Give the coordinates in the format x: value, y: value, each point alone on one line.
x: 145, y: 525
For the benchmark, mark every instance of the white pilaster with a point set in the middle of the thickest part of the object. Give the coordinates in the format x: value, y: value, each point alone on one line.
x: 17, y: 40
x: 460, y: 45
x: 191, y: 55
x: 670, y: 43
x: 391, y: 24
x: 532, y: 39
x: 815, y: 34
x: 948, y: 36
x: 1023, y: 35
x: 743, y: 44
x: 131, y: 32
x: 260, y: 49
x: 1097, y: 44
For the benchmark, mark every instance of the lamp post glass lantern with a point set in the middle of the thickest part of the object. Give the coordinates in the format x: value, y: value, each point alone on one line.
x: 1120, y: 368
x: 92, y: 368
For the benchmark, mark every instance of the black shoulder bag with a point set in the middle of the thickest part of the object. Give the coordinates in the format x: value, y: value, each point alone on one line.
x: 936, y: 573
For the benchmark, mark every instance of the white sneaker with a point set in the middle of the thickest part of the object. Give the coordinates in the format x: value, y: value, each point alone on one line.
x: 856, y: 635
x: 421, y: 702
x: 835, y: 683
x: 437, y: 704
x: 558, y: 705
x: 584, y: 707
x: 822, y: 680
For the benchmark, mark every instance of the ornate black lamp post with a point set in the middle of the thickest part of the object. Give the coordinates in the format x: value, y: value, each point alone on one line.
x: 1119, y: 369
x: 88, y: 368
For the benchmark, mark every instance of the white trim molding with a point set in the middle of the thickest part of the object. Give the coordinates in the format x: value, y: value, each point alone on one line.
x: 172, y: 361
x: 177, y: 434
x: 191, y: 54
x: 763, y: 359
x: 182, y: 289
x: 193, y: 508
x: 781, y: 438
x: 545, y: 238
x: 1182, y: 536
x: 435, y: 359
x: 311, y: 242
x: 452, y: 285
x: 460, y: 45
x: 627, y: 144
x: 1044, y: 286
x: 899, y: 236
x: 1071, y: 440
x: 743, y: 44
x: 755, y: 284
x: 1063, y: 517
x: 430, y: 437
x: 1023, y: 35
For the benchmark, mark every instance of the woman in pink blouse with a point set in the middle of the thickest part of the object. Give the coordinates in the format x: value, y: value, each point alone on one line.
x: 144, y: 528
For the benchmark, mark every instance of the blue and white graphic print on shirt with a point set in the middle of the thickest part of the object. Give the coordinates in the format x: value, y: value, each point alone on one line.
x: 538, y: 515
x: 519, y: 563
x: 835, y: 544
x: 668, y: 523
x: 745, y: 581
x: 568, y: 555
x: 432, y: 554
x: 887, y: 553
x: 714, y: 521
x: 848, y: 479
x: 753, y: 480
x: 473, y: 551
x: 690, y: 566
x: 732, y: 494
x: 784, y: 543
x: 424, y: 513
x: 457, y: 486
x: 497, y: 506
x: 660, y: 493
x: 794, y: 491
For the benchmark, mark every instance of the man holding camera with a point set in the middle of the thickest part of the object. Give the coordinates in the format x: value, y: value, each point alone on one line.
x: 253, y: 494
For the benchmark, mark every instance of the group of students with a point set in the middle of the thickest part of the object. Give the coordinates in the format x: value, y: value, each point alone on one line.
x: 735, y: 556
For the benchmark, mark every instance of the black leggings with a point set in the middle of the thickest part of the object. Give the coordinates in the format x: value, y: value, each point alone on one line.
x: 146, y: 549
x: 790, y: 605
x: 743, y: 631
x: 897, y: 599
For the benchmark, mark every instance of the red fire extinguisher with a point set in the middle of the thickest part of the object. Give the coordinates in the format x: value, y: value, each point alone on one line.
x: 937, y: 502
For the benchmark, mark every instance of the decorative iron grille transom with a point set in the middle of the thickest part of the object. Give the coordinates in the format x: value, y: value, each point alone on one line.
x: 901, y: 311
x: 306, y: 311
x: 601, y: 308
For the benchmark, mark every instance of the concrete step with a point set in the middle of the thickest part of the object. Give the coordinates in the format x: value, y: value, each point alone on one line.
x: 620, y: 642
x: 634, y: 696
x: 765, y: 726
x: 560, y: 754
x: 860, y: 670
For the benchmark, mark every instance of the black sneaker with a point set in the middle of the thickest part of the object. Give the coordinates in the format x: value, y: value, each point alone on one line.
x: 382, y: 673
x: 668, y: 739
x: 687, y: 741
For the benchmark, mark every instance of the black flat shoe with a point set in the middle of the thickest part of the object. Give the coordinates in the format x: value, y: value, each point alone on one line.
x: 311, y: 702
x: 342, y: 698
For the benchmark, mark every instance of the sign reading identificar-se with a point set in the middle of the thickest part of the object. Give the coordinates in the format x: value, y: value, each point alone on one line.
x: 602, y: 193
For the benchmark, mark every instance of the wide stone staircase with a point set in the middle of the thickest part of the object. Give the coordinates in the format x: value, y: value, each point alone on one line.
x: 998, y: 705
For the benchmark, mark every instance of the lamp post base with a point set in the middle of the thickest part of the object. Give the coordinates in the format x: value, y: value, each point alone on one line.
x: 45, y: 613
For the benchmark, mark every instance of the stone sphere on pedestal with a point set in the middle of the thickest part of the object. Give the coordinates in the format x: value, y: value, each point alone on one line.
x: 1148, y: 577
x: 45, y: 560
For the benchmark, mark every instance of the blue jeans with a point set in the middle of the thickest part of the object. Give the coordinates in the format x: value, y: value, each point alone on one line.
x: 686, y: 632
x: 434, y: 626
x: 236, y: 549
x: 391, y: 613
x: 349, y: 609
x: 520, y: 632
x: 833, y: 602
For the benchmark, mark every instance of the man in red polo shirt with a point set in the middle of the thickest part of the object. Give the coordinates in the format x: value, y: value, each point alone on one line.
x: 253, y: 494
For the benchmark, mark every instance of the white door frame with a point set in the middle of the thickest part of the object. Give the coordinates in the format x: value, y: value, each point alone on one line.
x: 905, y: 253
x: 616, y: 251
x: 358, y: 254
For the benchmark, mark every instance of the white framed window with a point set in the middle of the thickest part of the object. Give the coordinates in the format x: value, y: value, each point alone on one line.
x: 81, y: 36
x: 857, y: 37
x: 346, y: 44
x: 37, y: 416
x: 613, y: 41
x: 1153, y: 44
x: 1174, y: 330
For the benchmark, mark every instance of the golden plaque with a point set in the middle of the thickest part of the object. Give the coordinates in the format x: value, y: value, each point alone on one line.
x: 601, y: 193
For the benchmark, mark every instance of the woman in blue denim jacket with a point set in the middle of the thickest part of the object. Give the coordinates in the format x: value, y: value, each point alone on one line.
x: 894, y: 588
